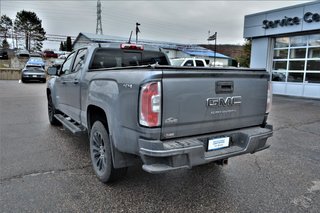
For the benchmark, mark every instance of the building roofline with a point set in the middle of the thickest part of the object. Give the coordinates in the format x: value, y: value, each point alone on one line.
x: 77, y: 38
x: 284, y: 8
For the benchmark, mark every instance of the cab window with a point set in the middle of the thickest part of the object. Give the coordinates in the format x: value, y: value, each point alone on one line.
x: 79, y: 61
x: 188, y: 63
x: 66, y: 67
x: 199, y: 63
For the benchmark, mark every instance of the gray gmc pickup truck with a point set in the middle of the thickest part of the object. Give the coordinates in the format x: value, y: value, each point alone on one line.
x: 135, y: 106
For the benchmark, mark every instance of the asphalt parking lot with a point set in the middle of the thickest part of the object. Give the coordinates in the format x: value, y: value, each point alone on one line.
x: 47, y: 169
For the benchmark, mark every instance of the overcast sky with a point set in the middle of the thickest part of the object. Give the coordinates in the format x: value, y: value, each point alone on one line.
x: 174, y: 21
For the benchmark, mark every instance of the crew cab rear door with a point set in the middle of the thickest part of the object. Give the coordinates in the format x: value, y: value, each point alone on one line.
x: 199, y: 101
x: 69, y: 91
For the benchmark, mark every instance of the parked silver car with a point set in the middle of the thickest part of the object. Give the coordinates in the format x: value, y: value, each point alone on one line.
x: 33, y: 73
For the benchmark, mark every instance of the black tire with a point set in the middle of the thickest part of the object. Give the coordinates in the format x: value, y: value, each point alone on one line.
x: 23, y: 80
x: 100, y: 152
x: 44, y: 81
x: 51, y: 112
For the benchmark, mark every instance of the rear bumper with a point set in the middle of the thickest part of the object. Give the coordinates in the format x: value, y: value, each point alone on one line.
x: 38, y: 78
x: 162, y: 156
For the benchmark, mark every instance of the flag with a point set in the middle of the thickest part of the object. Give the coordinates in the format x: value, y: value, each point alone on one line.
x: 137, y: 28
x: 213, y: 37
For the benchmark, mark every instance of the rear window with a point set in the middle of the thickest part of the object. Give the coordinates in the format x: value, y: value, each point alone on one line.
x: 188, y: 63
x: 199, y: 63
x: 36, y: 59
x: 34, y: 68
x: 107, y: 58
x: 177, y: 62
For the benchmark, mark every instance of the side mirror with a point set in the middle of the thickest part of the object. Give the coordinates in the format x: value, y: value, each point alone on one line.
x: 52, y: 70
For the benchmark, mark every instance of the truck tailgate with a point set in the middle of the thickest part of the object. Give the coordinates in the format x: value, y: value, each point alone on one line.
x: 198, y: 101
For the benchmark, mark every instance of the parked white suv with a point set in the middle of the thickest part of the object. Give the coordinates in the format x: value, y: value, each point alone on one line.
x: 189, y: 62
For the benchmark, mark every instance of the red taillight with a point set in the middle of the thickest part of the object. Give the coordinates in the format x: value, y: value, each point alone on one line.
x: 132, y: 46
x: 150, y: 105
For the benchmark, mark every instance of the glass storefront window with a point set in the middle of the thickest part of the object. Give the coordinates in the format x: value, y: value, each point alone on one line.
x: 282, y: 42
x: 298, y: 41
x: 297, y: 59
x: 313, y: 65
x: 314, y: 52
x: 279, y: 76
x: 296, y: 65
x: 280, y: 65
x: 312, y: 77
x: 298, y: 53
x: 295, y: 77
x: 314, y: 40
x: 281, y: 54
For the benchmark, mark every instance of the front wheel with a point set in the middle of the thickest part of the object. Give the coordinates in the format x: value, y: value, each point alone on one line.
x: 51, y: 112
x: 100, y: 151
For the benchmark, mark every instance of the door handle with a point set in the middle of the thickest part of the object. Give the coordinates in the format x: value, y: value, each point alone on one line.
x: 63, y: 82
x: 76, y: 81
x: 224, y: 87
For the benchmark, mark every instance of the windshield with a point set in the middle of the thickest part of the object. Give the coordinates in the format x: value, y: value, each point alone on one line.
x: 177, y: 62
x: 106, y: 58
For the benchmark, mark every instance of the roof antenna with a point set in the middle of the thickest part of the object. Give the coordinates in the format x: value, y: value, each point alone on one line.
x: 129, y: 42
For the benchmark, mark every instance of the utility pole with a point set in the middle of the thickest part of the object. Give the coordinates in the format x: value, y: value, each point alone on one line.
x: 99, y: 23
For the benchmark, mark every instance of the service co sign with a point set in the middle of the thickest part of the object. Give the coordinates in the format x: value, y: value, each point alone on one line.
x: 289, y: 21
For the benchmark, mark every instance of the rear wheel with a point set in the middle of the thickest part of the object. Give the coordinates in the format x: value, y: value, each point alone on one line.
x: 51, y: 112
x: 100, y: 151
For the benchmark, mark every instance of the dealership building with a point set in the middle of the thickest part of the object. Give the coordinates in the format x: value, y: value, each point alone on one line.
x: 286, y: 42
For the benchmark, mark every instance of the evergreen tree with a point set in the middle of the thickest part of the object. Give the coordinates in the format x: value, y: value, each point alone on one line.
x: 31, y: 27
x: 69, y: 44
x: 244, y: 59
x: 5, y: 44
x: 5, y: 26
x: 61, y: 46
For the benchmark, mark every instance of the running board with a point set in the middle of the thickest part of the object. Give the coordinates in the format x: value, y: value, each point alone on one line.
x: 70, y: 124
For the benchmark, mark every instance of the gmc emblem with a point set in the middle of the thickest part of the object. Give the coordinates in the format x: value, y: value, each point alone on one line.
x: 223, y: 102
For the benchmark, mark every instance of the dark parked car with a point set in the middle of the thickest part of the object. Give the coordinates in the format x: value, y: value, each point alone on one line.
x: 33, y: 73
x: 49, y: 54
x: 3, y: 54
